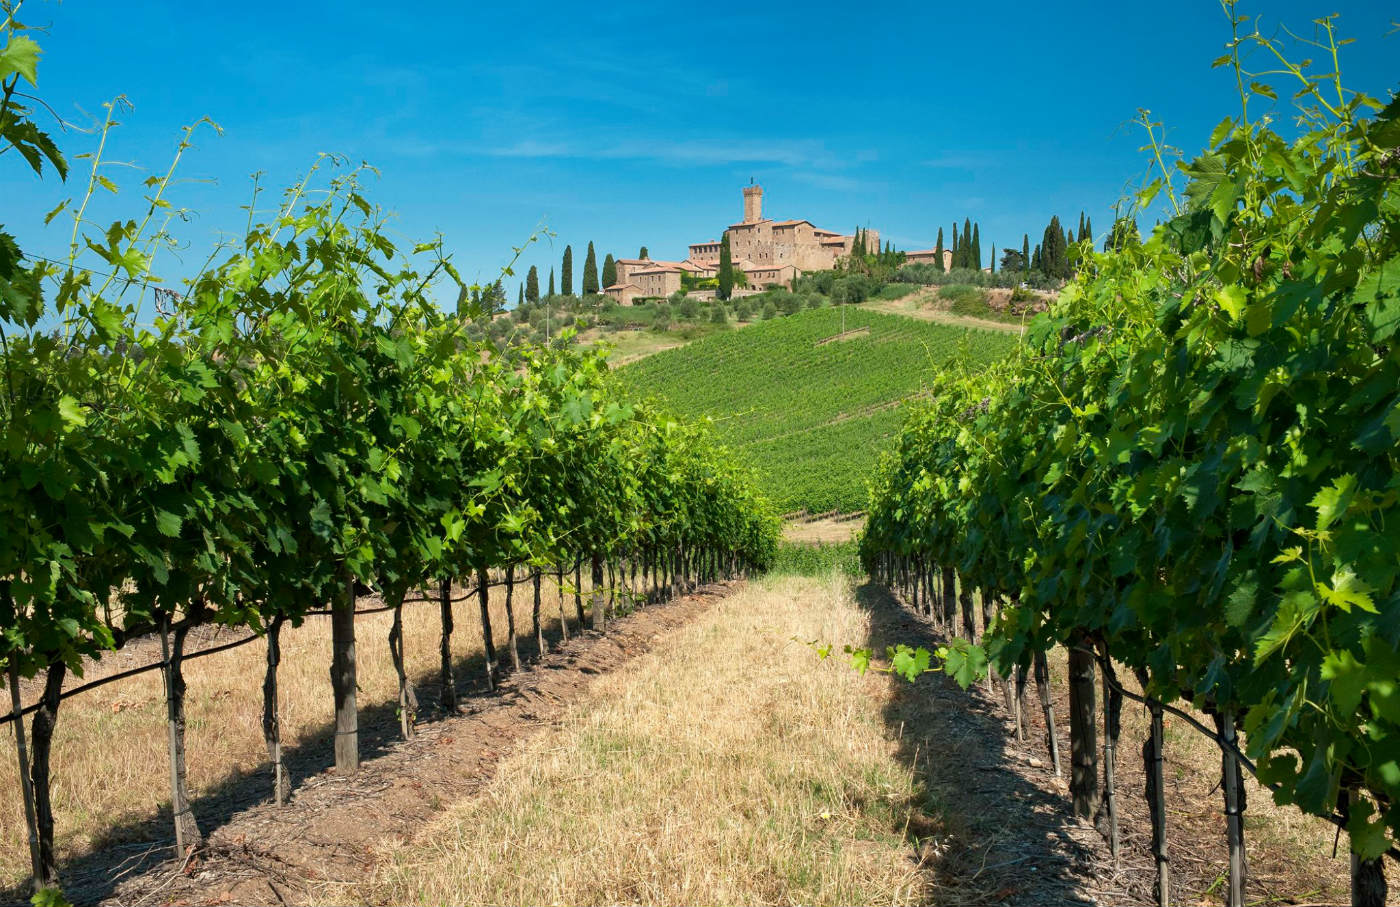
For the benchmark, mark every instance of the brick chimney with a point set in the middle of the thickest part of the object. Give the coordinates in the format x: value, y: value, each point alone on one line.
x: 753, y: 204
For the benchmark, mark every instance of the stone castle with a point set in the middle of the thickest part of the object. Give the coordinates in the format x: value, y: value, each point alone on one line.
x: 766, y: 251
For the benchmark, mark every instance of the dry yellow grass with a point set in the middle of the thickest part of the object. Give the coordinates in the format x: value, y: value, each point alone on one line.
x: 109, y: 762
x: 727, y: 766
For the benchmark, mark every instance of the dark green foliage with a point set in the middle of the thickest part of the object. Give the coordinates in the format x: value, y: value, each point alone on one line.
x: 551, y: 282
x: 609, y: 270
x: 532, y: 285
x: 1123, y: 235
x: 975, y: 259
x: 1053, y: 251
x: 590, y: 272
x: 1025, y: 251
x: 938, y: 251
x: 726, y: 269
x: 643, y: 255
x: 566, y: 272
x: 798, y: 559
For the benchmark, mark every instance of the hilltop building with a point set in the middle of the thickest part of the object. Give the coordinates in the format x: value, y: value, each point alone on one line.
x: 766, y: 251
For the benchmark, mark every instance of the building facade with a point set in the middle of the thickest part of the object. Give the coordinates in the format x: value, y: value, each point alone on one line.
x: 766, y: 251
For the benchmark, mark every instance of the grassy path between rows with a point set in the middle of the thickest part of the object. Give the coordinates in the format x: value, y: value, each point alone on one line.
x: 729, y: 765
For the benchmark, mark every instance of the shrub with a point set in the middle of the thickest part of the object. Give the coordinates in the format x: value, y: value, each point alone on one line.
x: 717, y: 314
x: 849, y: 290
x: 895, y: 290
x: 689, y: 309
x: 743, y: 310
x: 769, y: 310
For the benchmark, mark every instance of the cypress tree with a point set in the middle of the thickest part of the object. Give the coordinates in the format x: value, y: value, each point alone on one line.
x: 938, y: 251
x: 566, y: 273
x: 1052, y: 249
x: 1036, y: 263
x: 1080, y: 232
x: 1087, y: 231
x: 726, y: 269
x: 1026, y: 252
x: 609, y: 270
x: 976, y: 249
x: 967, y: 243
x: 590, y: 271
x: 532, y: 285
x: 957, y: 253
x: 643, y: 254
x: 994, y: 258
x: 551, y: 283
x: 520, y: 298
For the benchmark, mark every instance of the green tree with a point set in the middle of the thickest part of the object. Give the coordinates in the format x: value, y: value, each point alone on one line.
x: 1123, y: 235
x: 1012, y: 260
x: 566, y: 273
x: 609, y: 270
x: 520, y: 297
x: 975, y: 258
x: 993, y: 263
x: 590, y: 271
x: 957, y: 253
x: 1025, y: 252
x: 1053, y: 250
x: 551, y: 283
x: 726, y: 269
x: 1037, y: 260
x: 938, y: 251
x: 1087, y: 231
x: 643, y: 254
x: 532, y: 285
x: 493, y: 300
x: 965, y: 243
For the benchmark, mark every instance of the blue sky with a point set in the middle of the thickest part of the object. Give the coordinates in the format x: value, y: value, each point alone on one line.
x: 631, y: 124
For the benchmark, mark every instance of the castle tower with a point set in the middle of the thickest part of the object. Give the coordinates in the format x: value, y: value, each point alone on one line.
x: 753, y: 204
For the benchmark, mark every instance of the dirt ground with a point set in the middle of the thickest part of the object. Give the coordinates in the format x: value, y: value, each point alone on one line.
x: 926, y: 306
x: 993, y: 825
x: 824, y: 531
x: 1291, y: 856
x: 257, y: 854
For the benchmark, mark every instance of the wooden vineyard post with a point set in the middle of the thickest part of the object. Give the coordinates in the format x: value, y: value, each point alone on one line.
x: 950, y: 600
x: 1112, y: 723
x: 1233, y: 792
x: 559, y: 588
x: 272, y: 715
x: 1020, y: 700
x: 578, y: 593
x: 488, y: 639
x: 596, y: 594
x: 1368, y: 885
x: 969, y: 620
x: 445, y: 674
x: 187, y: 834
x: 1156, y: 792
x: 540, y: 647
x: 1083, y: 731
x: 347, y: 720
x: 511, y: 645
x: 1042, y: 685
x: 41, y: 733
x: 611, y: 609
x: 408, y: 698
x: 22, y: 753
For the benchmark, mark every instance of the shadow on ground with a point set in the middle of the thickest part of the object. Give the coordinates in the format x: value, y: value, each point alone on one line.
x: 991, y: 828
x: 133, y: 847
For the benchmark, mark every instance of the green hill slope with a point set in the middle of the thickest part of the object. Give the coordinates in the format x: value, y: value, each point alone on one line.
x: 808, y: 411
